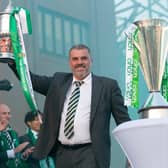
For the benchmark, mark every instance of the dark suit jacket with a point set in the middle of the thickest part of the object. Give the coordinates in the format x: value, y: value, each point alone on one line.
x: 3, y: 159
x: 31, y: 162
x: 106, y: 100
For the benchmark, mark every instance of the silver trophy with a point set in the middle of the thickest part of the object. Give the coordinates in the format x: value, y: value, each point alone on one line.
x: 14, y: 22
x: 144, y: 141
x: 6, y: 52
x: 153, y: 48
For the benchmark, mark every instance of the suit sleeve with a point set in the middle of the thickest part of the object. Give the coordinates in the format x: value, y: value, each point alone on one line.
x: 119, y: 110
x: 40, y: 83
x: 23, y: 139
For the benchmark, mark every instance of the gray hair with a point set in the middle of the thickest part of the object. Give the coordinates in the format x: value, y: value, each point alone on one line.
x: 79, y: 47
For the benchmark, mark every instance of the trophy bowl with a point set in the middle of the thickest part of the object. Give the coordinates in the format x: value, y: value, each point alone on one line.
x: 6, y: 51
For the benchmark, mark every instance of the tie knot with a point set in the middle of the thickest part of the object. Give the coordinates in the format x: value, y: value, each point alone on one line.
x: 78, y: 83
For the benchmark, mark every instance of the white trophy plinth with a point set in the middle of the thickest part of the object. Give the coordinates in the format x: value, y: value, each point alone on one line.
x: 144, y: 142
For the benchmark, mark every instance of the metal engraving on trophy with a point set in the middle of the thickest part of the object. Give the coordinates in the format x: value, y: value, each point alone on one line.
x: 6, y: 51
x: 153, y: 48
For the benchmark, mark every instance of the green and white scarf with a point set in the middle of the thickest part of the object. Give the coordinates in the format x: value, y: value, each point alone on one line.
x: 132, y: 68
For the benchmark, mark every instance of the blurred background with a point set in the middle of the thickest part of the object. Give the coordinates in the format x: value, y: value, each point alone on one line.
x: 57, y: 25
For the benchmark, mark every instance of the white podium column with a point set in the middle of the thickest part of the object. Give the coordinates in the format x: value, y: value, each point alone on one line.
x: 144, y: 142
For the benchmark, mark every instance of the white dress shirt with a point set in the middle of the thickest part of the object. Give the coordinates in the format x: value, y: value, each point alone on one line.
x: 82, y: 115
x: 35, y: 134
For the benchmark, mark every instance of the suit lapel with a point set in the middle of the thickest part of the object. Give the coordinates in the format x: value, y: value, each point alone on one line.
x: 64, y: 90
x: 96, y: 92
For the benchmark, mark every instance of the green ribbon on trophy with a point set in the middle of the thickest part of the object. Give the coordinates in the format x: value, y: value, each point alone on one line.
x: 20, y: 23
x: 164, y: 86
x: 132, y: 69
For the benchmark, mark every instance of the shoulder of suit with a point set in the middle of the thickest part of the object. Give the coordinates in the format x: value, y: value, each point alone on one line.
x: 62, y: 74
x: 61, y: 78
x: 104, y: 78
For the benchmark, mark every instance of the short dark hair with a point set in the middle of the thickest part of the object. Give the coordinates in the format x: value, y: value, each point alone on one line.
x: 31, y: 115
x: 79, y: 47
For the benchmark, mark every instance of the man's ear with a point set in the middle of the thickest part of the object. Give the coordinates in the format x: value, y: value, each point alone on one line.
x: 29, y: 124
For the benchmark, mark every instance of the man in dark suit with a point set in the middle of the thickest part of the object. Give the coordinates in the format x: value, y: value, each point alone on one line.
x: 84, y: 142
x: 10, y: 147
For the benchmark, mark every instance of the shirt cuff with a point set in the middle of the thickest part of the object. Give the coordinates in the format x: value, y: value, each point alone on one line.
x: 11, y: 153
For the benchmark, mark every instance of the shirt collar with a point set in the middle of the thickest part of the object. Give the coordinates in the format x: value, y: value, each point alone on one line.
x: 35, y: 133
x: 86, y: 79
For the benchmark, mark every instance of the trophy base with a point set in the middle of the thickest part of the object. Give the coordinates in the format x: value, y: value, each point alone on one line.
x: 154, y: 112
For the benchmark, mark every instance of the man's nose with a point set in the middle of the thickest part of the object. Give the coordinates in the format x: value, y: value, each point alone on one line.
x: 9, y: 116
x: 80, y: 61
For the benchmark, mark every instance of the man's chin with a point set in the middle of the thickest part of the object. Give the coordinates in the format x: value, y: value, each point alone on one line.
x: 80, y: 76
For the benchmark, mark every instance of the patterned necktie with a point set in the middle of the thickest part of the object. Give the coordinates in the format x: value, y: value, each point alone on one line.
x: 72, y: 106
